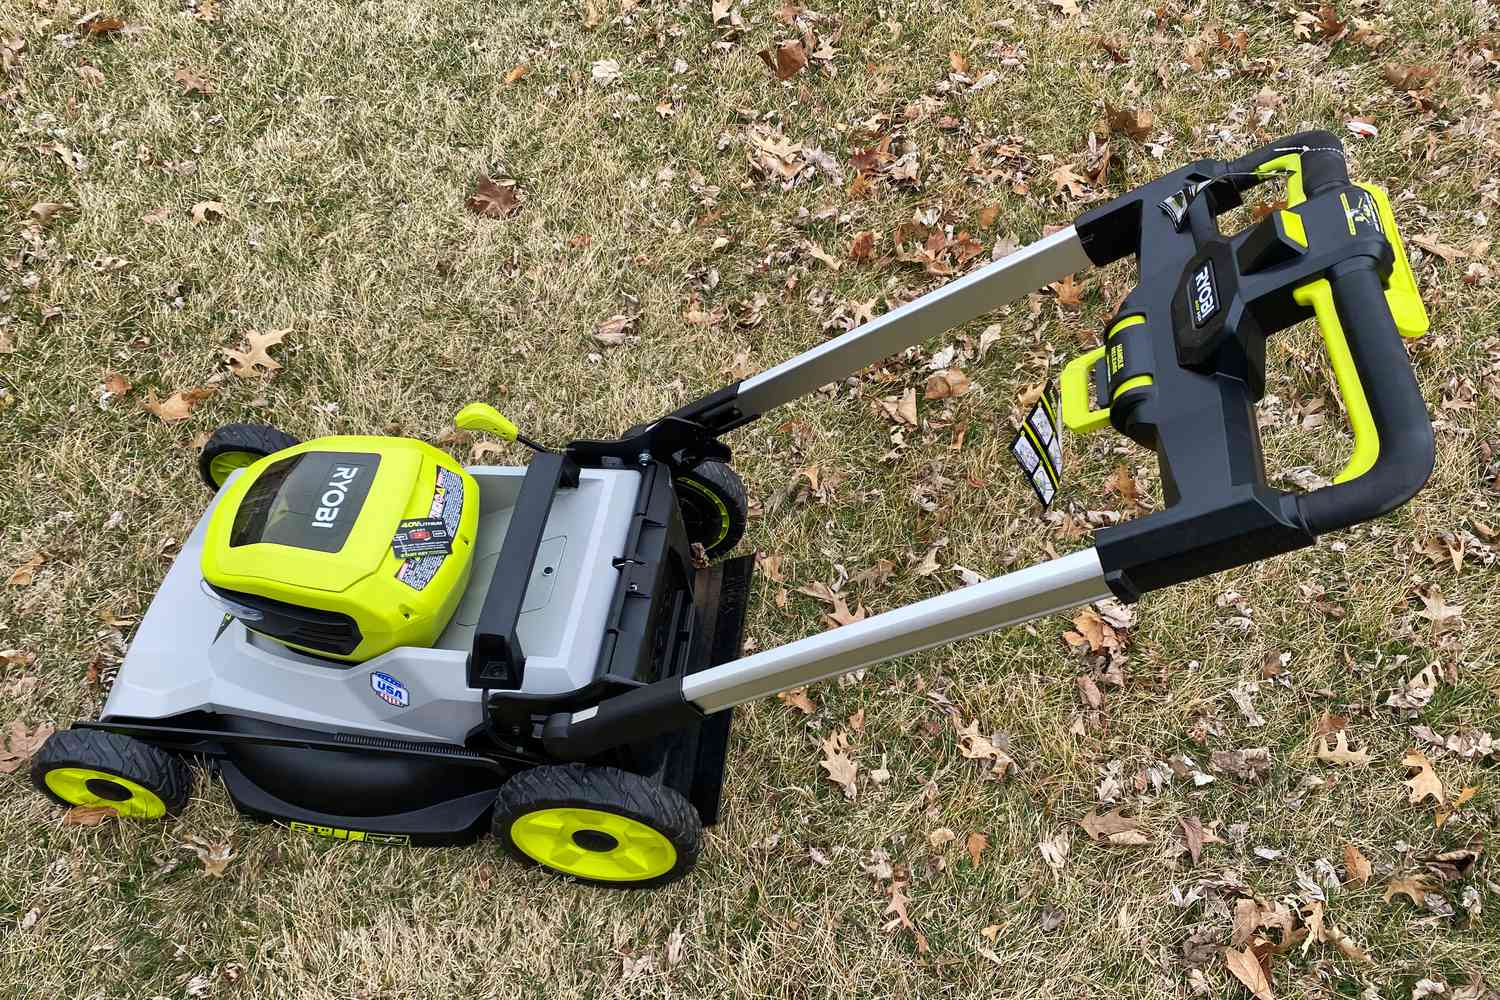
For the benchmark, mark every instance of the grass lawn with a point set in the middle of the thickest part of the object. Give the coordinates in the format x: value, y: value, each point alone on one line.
x: 205, y: 173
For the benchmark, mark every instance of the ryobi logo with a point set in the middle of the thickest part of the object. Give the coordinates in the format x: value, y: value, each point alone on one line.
x: 333, y: 495
x: 390, y: 690
x: 1204, y: 296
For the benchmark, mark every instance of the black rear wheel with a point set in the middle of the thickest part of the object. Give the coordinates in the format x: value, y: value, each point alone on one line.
x: 714, y: 507
x: 598, y: 825
x: 234, y: 446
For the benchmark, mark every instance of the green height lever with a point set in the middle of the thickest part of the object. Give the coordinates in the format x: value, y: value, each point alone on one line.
x: 485, y: 418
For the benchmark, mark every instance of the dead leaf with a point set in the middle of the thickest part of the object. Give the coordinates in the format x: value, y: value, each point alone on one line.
x: 1245, y: 967
x: 1339, y: 752
x: 947, y: 384
x: 21, y: 744
x: 612, y: 332
x: 862, y: 247
x: 1356, y: 866
x: 89, y: 815
x: 1089, y: 692
x: 97, y: 24
x: 156, y: 216
x: 90, y: 75
x: 976, y: 747
x: 1250, y: 765
x: 789, y: 59
x: 116, y: 384
x: 43, y: 211
x: 676, y: 945
x: 1425, y: 783
x: 841, y: 615
x: 24, y: 574
x: 517, y: 73
x: 1069, y: 291
x: 494, y: 198
x: 1192, y: 836
x: 178, y: 406
x: 1408, y: 76
x: 797, y: 698
x: 194, y: 83
x: 841, y: 768
x: 1133, y: 122
x: 215, y: 857
x: 898, y: 906
x: 1113, y: 828
x: 1413, y: 887
x: 1065, y: 178
x: 208, y: 211
x: 255, y: 360
x: 1450, y: 866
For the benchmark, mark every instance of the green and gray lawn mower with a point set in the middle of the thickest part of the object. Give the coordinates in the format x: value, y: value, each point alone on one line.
x: 369, y: 642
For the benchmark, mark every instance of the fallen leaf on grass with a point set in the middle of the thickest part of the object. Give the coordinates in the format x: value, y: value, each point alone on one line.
x: 841, y: 615
x: 797, y: 698
x: 208, y: 211
x: 178, y: 406
x: 612, y: 332
x: 156, y: 216
x: 862, y: 247
x: 841, y: 768
x: 16, y: 658
x: 116, y: 384
x: 1356, y: 866
x: 194, y: 83
x: 89, y: 815
x: 1245, y: 967
x: 896, y: 909
x: 24, y: 574
x: 254, y: 359
x: 976, y: 747
x: 975, y: 844
x: 1338, y: 751
x: 215, y: 857
x: 946, y: 384
x: 1408, y: 76
x: 1425, y: 783
x: 1112, y: 828
x: 43, y: 211
x: 517, y: 73
x: 1413, y: 887
x: 1250, y: 765
x: 98, y: 23
x: 1192, y: 836
x: 1450, y: 866
x: 494, y: 198
x: 21, y: 744
x: 789, y: 59
x: 1133, y: 122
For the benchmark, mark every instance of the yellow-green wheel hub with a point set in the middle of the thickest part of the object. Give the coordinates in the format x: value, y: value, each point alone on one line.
x: 82, y: 786
x: 716, y: 503
x: 221, y: 465
x: 594, y: 844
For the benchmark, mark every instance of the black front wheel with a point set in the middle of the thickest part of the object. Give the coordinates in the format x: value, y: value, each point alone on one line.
x: 91, y: 767
x: 714, y: 507
x: 235, y: 446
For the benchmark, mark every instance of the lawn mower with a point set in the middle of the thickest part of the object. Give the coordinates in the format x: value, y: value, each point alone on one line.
x: 370, y: 642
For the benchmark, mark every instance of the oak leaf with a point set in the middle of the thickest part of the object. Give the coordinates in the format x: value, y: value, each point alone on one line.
x: 841, y: 768
x: 788, y: 59
x: 612, y: 331
x: 1133, y: 122
x: 178, y: 406
x: 1356, y: 866
x: 1113, y: 828
x: 797, y: 698
x: 494, y: 198
x: 194, y: 83
x: 208, y: 211
x: 1334, y: 749
x: 255, y: 360
x: 89, y: 815
x: 21, y: 744
x: 24, y: 574
x: 1425, y: 783
x: 975, y: 844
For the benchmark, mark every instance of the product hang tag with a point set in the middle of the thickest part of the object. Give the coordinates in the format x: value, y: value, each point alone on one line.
x: 421, y: 536
x: 1037, y: 448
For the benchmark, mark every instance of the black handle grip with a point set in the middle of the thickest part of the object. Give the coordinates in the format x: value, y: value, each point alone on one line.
x: 1323, y: 163
x: 1396, y: 407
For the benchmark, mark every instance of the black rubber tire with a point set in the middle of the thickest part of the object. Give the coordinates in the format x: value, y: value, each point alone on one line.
x: 605, y: 789
x: 249, y: 439
x: 165, y: 776
x: 715, y: 509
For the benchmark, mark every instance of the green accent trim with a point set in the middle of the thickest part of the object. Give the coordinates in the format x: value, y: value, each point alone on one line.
x: 1292, y: 162
x: 1139, y: 382
x: 1401, y: 294
x: 484, y: 417
x: 71, y: 785
x: 1073, y: 389
x: 1291, y: 224
x: 1128, y: 321
x: 640, y: 852
x: 227, y: 462
x: 718, y: 503
x: 1319, y: 295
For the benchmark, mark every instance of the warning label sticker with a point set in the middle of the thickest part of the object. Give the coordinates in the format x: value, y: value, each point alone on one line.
x: 1037, y: 448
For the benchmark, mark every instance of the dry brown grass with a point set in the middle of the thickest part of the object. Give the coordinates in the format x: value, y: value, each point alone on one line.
x: 343, y: 139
